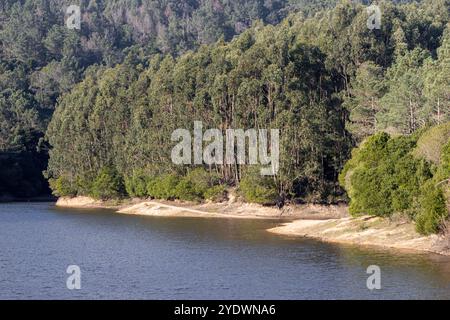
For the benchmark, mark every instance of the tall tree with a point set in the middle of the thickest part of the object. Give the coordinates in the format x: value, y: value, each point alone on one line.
x: 367, y: 89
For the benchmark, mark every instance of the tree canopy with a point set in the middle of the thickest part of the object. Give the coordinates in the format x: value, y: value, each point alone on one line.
x: 41, y: 59
x: 326, y: 81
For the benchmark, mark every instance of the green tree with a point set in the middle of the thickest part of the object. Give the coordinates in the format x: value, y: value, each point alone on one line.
x: 367, y: 89
x: 403, y: 103
x: 108, y: 185
x: 437, y: 83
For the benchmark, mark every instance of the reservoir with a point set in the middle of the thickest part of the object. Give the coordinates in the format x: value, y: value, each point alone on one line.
x: 138, y: 257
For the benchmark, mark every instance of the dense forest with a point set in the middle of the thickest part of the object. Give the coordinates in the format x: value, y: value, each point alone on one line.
x: 363, y: 113
x: 40, y: 58
x: 325, y: 80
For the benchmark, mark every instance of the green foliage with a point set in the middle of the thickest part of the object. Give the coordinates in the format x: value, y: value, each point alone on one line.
x: 430, y: 145
x: 363, y: 103
x: 434, y: 210
x: 108, y: 185
x: 136, y: 185
x: 445, y: 161
x: 386, y: 176
x: 41, y: 59
x: 85, y: 183
x: 403, y: 103
x: 216, y: 193
x: 187, y: 190
x: 368, y: 152
x: 258, y: 189
x: 195, y: 185
x: 442, y: 176
x: 63, y: 187
x: 382, y: 176
x: 410, y: 92
x: 137, y: 71
x: 163, y: 187
x: 126, y: 111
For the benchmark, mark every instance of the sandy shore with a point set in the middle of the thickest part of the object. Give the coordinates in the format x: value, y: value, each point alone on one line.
x: 366, y: 231
x: 325, y: 223
x: 231, y: 209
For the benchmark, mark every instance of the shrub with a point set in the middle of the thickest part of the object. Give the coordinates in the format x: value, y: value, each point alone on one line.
x: 383, y: 177
x: 63, y: 187
x: 433, y: 210
x: 196, y: 184
x: 371, y: 192
x: 163, y: 187
x: 84, y: 184
x: 217, y: 193
x: 258, y: 189
x: 387, y: 175
x: 370, y: 152
x: 444, y: 171
x: 187, y: 190
x: 136, y: 185
x: 408, y: 177
x: 108, y: 185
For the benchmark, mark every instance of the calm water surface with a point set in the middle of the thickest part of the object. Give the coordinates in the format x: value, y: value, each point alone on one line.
x: 133, y: 257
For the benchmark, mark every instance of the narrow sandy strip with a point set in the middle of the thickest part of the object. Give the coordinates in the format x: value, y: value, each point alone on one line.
x: 231, y: 209
x: 158, y: 209
x: 172, y: 209
x: 365, y: 231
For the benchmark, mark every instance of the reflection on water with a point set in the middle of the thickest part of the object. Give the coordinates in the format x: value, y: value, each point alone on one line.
x: 183, y: 258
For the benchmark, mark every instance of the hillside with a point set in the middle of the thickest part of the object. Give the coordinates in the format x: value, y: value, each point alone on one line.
x: 111, y: 136
x: 41, y: 59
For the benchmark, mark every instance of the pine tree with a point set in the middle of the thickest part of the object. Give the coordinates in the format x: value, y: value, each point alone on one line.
x: 437, y: 83
x: 364, y: 102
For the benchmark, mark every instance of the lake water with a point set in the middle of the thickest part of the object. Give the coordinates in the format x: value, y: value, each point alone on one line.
x: 133, y: 257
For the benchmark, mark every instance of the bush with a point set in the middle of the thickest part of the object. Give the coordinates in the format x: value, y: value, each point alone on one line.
x: 433, y: 212
x: 369, y: 152
x: 371, y: 192
x: 217, y: 193
x: 163, y: 187
x: 383, y: 177
x: 108, y: 185
x: 387, y: 176
x: 196, y: 184
x: 258, y: 189
x: 187, y: 190
x: 63, y: 187
x: 136, y: 185
x: 444, y: 171
x: 84, y: 184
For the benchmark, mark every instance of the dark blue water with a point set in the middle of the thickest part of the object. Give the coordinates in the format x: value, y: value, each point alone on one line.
x: 133, y: 257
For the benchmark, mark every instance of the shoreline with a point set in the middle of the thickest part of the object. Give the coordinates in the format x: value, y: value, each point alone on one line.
x: 366, y: 231
x: 230, y: 209
x: 330, y: 224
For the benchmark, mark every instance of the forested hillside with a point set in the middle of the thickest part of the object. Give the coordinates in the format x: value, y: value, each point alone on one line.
x: 40, y: 58
x: 326, y: 81
x: 103, y: 101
